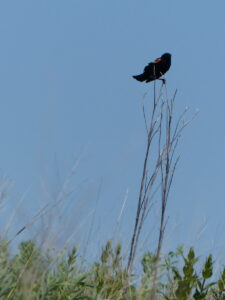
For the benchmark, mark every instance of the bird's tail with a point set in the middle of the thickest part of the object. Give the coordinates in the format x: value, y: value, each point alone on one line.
x: 140, y: 77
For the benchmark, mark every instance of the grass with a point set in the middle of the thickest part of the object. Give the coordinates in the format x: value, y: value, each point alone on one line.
x: 31, y: 274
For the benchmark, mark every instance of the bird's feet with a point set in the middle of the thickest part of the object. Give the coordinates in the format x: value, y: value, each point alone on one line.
x: 163, y: 80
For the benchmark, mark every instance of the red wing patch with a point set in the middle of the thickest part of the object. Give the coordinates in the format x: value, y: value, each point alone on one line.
x: 158, y: 60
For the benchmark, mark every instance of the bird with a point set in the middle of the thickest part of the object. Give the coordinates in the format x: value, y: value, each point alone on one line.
x: 154, y: 70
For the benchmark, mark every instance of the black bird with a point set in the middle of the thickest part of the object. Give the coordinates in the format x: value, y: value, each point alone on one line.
x: 156, y: 69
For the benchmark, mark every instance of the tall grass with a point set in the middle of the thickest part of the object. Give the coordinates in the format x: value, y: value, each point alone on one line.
x: 32, y: 274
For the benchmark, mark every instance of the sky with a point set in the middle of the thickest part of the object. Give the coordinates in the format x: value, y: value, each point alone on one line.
x: 71, y: 125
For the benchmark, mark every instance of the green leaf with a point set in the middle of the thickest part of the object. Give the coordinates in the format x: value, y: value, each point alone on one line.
x: 221, y: 286
x: 223, y: 275
x: 208, y: 268
x: 176, y: 273
x: 191, y: 254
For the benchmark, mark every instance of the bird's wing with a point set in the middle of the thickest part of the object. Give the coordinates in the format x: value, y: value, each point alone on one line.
x: 149, y: 68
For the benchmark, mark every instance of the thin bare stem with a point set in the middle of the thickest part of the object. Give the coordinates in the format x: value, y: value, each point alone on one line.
x: 162, y: 134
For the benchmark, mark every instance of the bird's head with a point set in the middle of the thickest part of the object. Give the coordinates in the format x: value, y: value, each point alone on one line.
x: 166, y: 56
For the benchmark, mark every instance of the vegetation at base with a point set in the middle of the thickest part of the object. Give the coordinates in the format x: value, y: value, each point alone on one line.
x: 32, y: 275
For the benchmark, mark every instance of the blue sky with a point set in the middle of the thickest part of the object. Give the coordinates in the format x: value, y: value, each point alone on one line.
x: 67, y: 94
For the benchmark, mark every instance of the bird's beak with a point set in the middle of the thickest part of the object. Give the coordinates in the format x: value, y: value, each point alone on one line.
x: 158, y: 59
